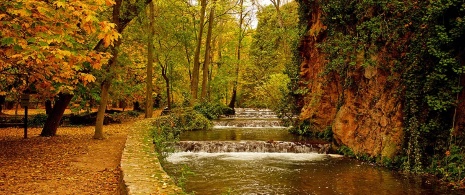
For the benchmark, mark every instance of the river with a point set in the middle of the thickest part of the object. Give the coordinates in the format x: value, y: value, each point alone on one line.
x: 252, y: 154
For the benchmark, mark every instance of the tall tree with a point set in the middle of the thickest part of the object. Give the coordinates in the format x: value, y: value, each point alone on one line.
x: 207, y: 60
x: 151, y: 32
x: 242, y: 27
x: 121, y: 16
x: 196, y: 68
x: 45, y: 46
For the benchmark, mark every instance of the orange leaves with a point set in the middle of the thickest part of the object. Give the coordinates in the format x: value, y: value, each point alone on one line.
x: 74, y: 161
x: 108, y: 33
x: 47, y: 40
x: 87, y: 78
x: 109, y: 2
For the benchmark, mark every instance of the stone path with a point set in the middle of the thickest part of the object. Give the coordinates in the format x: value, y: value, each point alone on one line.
x: 142, y: 172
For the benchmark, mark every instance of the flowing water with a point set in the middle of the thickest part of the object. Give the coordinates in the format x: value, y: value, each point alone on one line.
x: 251, y: 153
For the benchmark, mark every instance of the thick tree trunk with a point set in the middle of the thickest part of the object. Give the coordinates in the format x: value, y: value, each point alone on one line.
x: 196, y: 69
x: 206, y: 62
x: 53, y: 120
x: 232, y: 103
x: 136, y: 106
x: 149, y: 98
x: 2, y: 101
x: 48, y: 107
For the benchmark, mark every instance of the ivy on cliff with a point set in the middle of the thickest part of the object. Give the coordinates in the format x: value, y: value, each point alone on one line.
x: 421, y: 44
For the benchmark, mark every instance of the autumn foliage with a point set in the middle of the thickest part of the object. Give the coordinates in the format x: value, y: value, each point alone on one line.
x: 50, y: 43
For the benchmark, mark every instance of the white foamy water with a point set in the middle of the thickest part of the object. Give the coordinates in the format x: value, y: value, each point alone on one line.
x: 181, y: 157
x: 249, y: 127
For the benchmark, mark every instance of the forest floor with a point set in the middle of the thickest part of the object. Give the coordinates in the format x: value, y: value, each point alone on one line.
x: 69, y: 163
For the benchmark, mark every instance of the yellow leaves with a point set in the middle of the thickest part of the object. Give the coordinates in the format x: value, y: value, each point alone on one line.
x: 108, y: 34
x: 61, y: 54
x: 87, y: 78
x: 90, y: 18
x: 66, y: 89
x: 21, y: 12
x: 60, y: 4
x: 46, y: 40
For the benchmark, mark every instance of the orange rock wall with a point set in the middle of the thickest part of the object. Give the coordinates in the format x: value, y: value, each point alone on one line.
x: 367, y: 116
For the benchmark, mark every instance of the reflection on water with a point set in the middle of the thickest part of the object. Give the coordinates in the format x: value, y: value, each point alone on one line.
x: 279, y: 173
x: 287, y: 173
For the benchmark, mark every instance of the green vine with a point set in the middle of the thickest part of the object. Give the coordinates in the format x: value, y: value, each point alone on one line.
x: 420, y: 43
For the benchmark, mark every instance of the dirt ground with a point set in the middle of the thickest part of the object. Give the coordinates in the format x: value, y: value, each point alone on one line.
x: 69, y: 163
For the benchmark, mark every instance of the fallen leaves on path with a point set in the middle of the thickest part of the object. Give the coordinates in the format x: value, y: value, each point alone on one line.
x: 69, y: 163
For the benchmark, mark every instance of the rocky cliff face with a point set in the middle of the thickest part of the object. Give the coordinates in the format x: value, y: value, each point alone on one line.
x: 365, y: 109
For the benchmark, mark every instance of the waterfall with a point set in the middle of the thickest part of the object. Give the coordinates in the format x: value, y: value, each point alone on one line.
x: 249, y: 118
x: 251, y: 146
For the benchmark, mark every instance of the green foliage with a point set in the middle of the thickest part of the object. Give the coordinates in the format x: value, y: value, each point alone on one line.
x: 271, y: 53
x: 305, y: 128
x: 166, y: 129
x: 286, y: 109
x: 212, y: 110
x: 37, y: 120
x: 163, y: 138
x: 182, y: 119
x: 124, y: 116
x: 419, y: 43
x: 132, y: 113
x: 346, y: 151
x: 432, y: 80
x: 450, y: 166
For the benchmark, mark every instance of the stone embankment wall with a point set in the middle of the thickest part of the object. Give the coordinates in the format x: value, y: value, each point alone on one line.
x: 141, y: 170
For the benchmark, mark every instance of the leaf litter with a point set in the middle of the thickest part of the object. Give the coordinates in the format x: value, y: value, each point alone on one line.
x: 69, y: 163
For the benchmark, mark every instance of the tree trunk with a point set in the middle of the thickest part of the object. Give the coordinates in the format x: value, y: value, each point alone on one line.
x: 2, y: 101
x: 53, y: 120
x: 48, y: 107
x: 206, y: 62
x: 98, y: 133
x: 149, y: 98
x: 167, y: 84
x: 132, y: 10
x: 136, y: 106
x: 121, y: 20
x: 196, y: 69
x: 233, y: 99
x: 105, y: 88
x: 239, y: 46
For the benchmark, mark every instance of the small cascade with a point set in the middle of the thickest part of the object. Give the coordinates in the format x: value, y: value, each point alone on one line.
x: 247, y: 123
x: 249, y: 113
x: 251, y: 146
x: 252, y: 153
x: 249, y: 118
